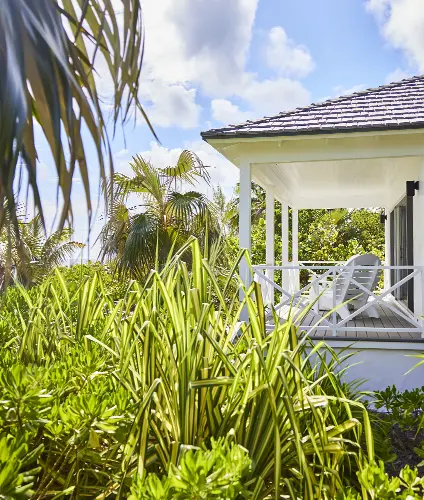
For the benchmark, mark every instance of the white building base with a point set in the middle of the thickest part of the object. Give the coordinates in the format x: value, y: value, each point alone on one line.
x: 382, y: 364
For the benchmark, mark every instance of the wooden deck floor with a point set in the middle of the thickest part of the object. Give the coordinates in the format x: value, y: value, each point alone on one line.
x: 377, y: 326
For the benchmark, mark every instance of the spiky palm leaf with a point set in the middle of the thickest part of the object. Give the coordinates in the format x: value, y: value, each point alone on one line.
x: 48, y: 54
x: 189, y: 168
x: 182, y: 208
x: 115, y: 231
x: 148, y: 240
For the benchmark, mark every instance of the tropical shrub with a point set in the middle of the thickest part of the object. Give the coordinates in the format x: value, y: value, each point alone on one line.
x: 376, y: 484
x: 402, y: 416
x: 201, y: 473
x: 405, y: 408
x: 116, y: 388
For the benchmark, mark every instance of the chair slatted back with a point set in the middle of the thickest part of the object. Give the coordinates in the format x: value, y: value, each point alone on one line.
x: 346, y: 290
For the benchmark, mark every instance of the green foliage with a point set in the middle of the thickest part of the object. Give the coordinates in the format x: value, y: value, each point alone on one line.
x: 403, y: 417
x: 117, y: 385
x: 403, y: 408
x: 376, y: 484
x: 324, y: 235
x: 17, y: 471
x: 336, y: 235
x: 215, y: 473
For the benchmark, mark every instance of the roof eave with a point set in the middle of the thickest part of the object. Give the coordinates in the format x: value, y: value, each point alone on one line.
x: 225, y: 135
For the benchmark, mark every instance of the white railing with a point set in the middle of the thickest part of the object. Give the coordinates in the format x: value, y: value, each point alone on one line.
x: 325, y: 280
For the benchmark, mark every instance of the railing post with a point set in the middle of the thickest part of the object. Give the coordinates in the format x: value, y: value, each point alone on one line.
x: 334, y: 314
x: 316, y: 292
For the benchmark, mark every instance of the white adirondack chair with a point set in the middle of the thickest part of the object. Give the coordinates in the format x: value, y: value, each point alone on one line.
x: 349, y: 297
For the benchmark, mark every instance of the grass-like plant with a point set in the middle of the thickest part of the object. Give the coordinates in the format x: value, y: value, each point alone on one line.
x: 115, y: 389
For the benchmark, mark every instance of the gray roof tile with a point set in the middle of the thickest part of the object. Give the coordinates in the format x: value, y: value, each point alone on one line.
x: 397, y: 105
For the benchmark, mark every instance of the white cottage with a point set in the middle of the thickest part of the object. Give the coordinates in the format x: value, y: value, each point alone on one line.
x: 360, y: 150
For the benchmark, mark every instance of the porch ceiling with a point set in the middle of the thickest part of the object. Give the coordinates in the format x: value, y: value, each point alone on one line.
x: 351, y: 170
x: 358, y: 183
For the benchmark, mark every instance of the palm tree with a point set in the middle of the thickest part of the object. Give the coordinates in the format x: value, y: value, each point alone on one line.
x: 35, y: 255
x: 138, y: 237
x: 48, y: 55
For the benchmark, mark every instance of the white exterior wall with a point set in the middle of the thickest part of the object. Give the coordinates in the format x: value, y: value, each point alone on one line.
x: 380, y: 364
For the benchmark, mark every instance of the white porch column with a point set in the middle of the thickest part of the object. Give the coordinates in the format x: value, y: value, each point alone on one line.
x: 295, y: 235
x: 295, y: 248
x: 270, y: 244
x: 387, y: 248
x: 285, y: 243
x: 245, y: 210
x: 419, y: 244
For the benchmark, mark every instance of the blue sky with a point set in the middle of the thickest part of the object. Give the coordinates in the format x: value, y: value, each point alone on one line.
x: 213, y: 62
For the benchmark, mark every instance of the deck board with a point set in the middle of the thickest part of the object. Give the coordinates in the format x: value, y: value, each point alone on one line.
x: 387, y: 319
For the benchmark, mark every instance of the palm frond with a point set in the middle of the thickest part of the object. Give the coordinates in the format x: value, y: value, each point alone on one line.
x: 58, y: 255
x: 48, y: 54
x: 168, y: 217
x: 189, y: 168
x: 183, y: 207
x: 148, y: 177
x: 114, y: 233
x: 145, y: 237
x: 55, y: 240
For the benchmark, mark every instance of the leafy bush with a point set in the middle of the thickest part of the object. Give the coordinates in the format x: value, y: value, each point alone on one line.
x: 376, y: 484
x: 403, y: 408
x: 402, y: 413
x: 16, y: 466
x: 215, y: 473
x: 116, y: 385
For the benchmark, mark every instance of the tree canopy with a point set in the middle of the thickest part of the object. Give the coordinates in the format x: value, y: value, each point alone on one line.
x: 166, y: 212
x: 324, y: 235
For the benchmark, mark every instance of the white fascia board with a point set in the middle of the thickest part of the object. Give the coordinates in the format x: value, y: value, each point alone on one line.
x: 317, y: 136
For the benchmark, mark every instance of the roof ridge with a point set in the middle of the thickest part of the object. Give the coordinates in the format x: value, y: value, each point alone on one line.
x: 327, y: 102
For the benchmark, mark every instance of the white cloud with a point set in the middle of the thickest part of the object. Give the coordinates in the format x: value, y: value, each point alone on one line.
x: 341, y: 90
x: 285, y: 56
x: 170, y: 105
x: 225, y: 111
x: 122, y: 153
x: 262, y: 98
x: 205, y: 43
x: 273, y: 96
x: 402, y: 25
x: 193, y: 45
x: 190, y: 45
x: 397, y: 75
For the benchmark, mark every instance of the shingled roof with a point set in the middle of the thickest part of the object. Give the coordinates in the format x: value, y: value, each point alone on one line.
x: 398, y: 105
